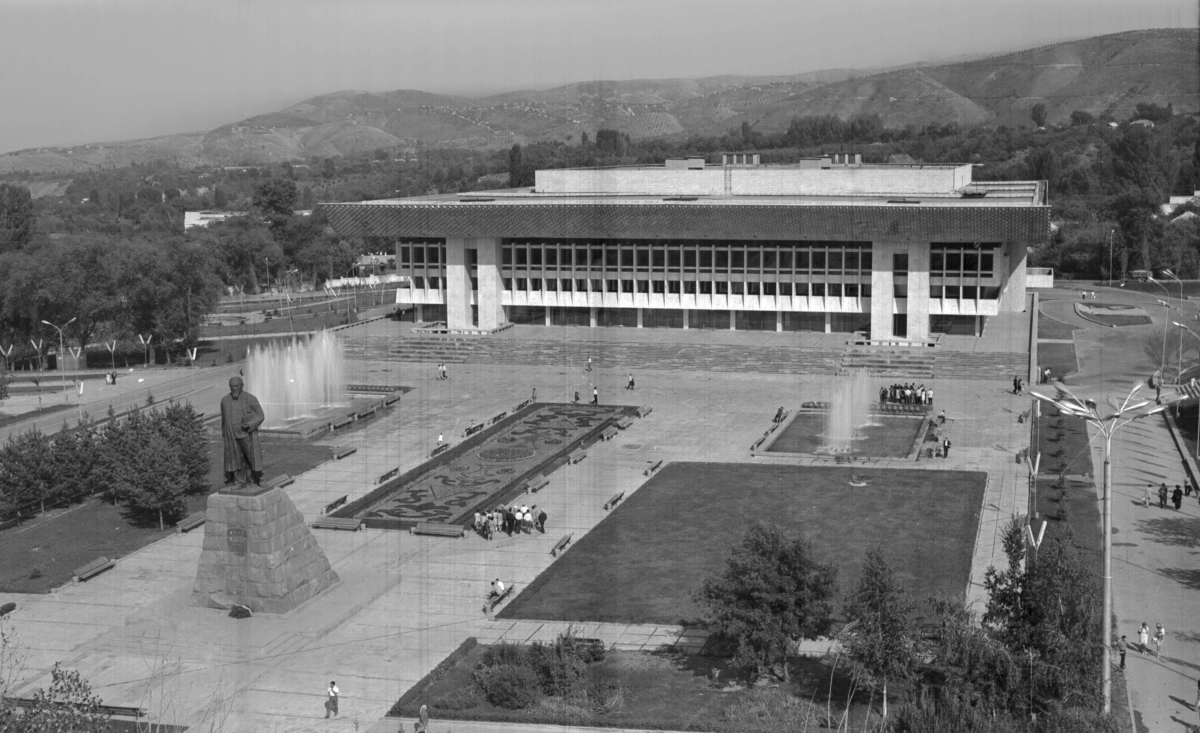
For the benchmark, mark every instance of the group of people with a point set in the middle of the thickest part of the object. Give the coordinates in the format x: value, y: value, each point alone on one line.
x: 906, y: 394
x: 441, y: 367
x: 1165, y: 495
x: 1018, y: 385
x: 110, y: 377
x: 510, y: 520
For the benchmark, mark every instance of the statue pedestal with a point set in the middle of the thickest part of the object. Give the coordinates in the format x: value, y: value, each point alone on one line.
x: 258, y: 552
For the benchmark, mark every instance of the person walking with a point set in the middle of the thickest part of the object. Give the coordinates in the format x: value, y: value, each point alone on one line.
x: 422, y: 724
x: 946, y: 448
x: 541, y: 521
x: 630, y: 385
x: 1160, y: 636
x: 1162, y: 496
x: 577, y: 397
x: 1122, y: 647
x: 1143, y: 638
x: 533, y: 397
x: 1146, y: 497
x: 595, y: 396
x: 1177, y: 497
x: 589, y: 366
x: 331, y: 699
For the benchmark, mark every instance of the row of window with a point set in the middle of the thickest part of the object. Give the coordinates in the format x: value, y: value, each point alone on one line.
x: 690, y: 287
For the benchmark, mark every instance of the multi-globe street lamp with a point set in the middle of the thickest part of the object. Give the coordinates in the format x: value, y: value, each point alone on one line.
x: 1197, y: 336
x: 1107, y: 416
x: 61, y: 373
x: 1168, y: 273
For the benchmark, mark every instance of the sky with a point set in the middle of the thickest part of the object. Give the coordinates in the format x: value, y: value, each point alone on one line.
x: 82, y: 71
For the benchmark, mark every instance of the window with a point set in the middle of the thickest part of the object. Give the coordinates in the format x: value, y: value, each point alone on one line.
x: 475, y: 283
x: 935, y: 292
x: 551, y: 284
x: 689, y: 287
x: 658, y: 258
x: 673, y: 258
x: 738, y: 288
x: 818, y: 289
x: 864, y: 291
x: 535, y: 256
x: 627, y: 258
x: 522, y: 284
x: 581, y: 285
x: 521, y: 257
x: 673, y: 287
x: 406, y: 255
x: 785, y: 289
x: 722, y: 262
x: 754, y: 259
x: 418, y: 255
x: 689, y: 259
x: 552, y: 257
x: 899, y: 291
x: 706, y: 288
x: 610, y: 257
x: 472, y: 258
x: 818, y: 261
x: 951, y: 292
x: 610, y: 286
x: 833, y: 262
x: 768, y: 288
x: 900, y: 264
x: 535, y: 284
x: 658, y: 286
x: 770, y: 260
x: 643, y: 259
x: 865, y: 262
x: 785, y: 261
x: 753, y: 289
x: 626, y: 286
x: 985, y: 264
x: 835, y: 290
x: 507, y: 283
x: 581, y: 257
x: 564, y: 257
x: 432, y: 254
x: 706, y: 259
x: 937, y: 262
x: 989, y: 292
x: 970, y: 292
x: 722, y: 287
x: 506, y: 257
x: 851, y: 290
x: 435, y: 283
x: 565, y: 285
x: 599, y: 258
x: 643, y: 286
x: 418, y: 282
x: 851, y: 262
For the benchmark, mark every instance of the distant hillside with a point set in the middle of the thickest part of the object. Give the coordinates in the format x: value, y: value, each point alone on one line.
x: 1106, y: 74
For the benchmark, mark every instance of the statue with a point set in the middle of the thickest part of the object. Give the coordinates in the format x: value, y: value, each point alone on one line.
x: 240, y: 417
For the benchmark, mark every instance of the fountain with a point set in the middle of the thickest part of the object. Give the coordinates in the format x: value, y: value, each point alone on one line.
x: 297, y: 380
x: 849, y: 411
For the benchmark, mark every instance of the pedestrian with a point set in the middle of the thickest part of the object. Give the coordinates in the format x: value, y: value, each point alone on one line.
x: 1187, y: 488
x: 541, y: 521
x: 1146, y: 497
x: 630, y: 385
x: 1160, y: 635
x: 577, y: 397
x: 331, y: 699
x: 1143, y: 638
x: 946, y: 448
x: 533, y: 397
x: 1177, y: 497
x: 589, y: 366
x: 595, y: 396
x: 440, y: 441
x: 778, y: 415
x: 942, y: 418
x: 445, y: 372
x: 422, y: 724
x: 1121, y: 649
x: 1014, y: 390
x: 1162, y: 496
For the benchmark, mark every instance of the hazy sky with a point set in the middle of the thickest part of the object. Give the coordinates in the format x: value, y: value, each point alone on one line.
x: 77, y: 71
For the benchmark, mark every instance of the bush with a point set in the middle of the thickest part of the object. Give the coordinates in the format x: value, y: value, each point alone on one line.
x: 771, y: 709
x: 509, y: 686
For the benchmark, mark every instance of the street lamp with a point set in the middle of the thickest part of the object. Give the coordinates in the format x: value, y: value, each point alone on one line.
x: 1111, y: 232
x: 1185, y: 328
x: 1107, y: 417
x: 1171, y: 275
x: 61, y: 373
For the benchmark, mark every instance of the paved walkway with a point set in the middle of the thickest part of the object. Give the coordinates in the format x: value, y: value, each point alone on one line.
x: 405, y: 602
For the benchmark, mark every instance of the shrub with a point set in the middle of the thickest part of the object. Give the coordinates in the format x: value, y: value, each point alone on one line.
x: 509, y: 686
x: 770, y: 709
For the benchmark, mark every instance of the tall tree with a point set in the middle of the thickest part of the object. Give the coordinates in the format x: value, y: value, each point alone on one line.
x: 1038, y: 113
x: 1143, y: 158
x: 774, y: 591
x: 881, y: 635
x: 276, y: 201
x: 17, y: 217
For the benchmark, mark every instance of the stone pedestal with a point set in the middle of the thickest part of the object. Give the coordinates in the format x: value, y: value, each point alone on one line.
x: 258, y: 552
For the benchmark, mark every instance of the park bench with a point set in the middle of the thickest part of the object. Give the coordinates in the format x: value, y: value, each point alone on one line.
x: 609, y: 433
x: 653, y: 467
x: 624, y: 422
x: 342, y: 423
x: 92, y: 569
x: 614, y: 501
x: 365, y: 414
x: 438, y: 530
x: 346, y: 452
x: 576, y: 456
x: 537, y: 483
x: 124, y: 711
x: 644, y: 410
x: 7, y: 608
x: 280, y: 481
x: 561, y: 545
x: 190, y: 522
x: 440, y: 449
x: 392, y: 400
x: 491, y: 601
x: 843, y: 459
x: 349, y: 523
x: 389, y: 475
x: 334, y: 505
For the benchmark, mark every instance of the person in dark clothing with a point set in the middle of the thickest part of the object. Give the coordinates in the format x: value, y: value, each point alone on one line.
x: 1162, y: 496
x: 946, y: 448
x: 1177, y: 497
x: 577, y: 397
x: 541, y: 521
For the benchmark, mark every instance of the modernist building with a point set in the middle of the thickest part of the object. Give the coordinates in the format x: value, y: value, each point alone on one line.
x: 895, y: 252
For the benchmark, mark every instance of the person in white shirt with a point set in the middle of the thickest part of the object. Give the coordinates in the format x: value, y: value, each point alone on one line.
x: 331, y: 699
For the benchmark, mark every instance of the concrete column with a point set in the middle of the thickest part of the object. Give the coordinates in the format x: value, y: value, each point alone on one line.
x: 918, y: 291
x: 547, y: 315
x: 592, y: 316
x: 685, y: 319
x: 778, y: 321
x: 420, y: 313
x: 883, y: 300
x: 732, y: 320
x: 828, y: 322
x: 639, y: 315
x: 457, y: 291
x: 1010, y: 264
x: 490, y: 295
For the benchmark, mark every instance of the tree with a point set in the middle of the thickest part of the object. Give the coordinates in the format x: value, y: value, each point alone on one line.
x: 881, y: 634
x: 184, y: 428
x: 773, y: 592
x: 276, y: 200
x: 1134, y: 212
x: 1143, y: 158
x: 1080, y: 117
x: 27, y: 469
x: 1038, y: 113
x: 17, y: 217
x: 69, y: 705
x: 220, y: 199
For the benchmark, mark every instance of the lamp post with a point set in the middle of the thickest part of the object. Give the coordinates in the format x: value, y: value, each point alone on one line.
x: 1111, y: 232
x: 1165, y: 306
x: 1107, y: 417
x: 62, y: 374
x: 1171, y: 275
x: 1197, y: 336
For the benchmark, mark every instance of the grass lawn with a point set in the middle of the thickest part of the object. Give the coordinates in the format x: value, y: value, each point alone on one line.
x: 66, y: 539
x: 663, y: 691
x: 1059, y: 357
x: 1063, y: 442
x: 1049, y: 328
x: 641, y: 564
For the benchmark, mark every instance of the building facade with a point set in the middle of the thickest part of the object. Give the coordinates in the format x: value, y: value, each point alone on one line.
x: 898, y: 253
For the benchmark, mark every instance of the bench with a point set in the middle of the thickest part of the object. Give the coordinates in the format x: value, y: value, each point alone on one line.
x: 440, y: 449
x: 653, y: 467
x: 391, y: 400
x: 335, y: 504
x: 348, y: 523
x: 389, y: 475
x: 7, y: 523
x: 624, y: 422
x: 7, y: 608
x: 490, y: 603
x: 561, y: 545
x: 365, y: 414
x: 190, y: 522
x: 843, y: 459
x: 576, y: 456
x: 609, y: 433
x: 644, y: 410
x: 124, y: 711
x: 342, y: 423
x: 614, y: 501
x: 438, y: 530
x: 92, y: 569
x: 537, y: 483
x: 346, y: 452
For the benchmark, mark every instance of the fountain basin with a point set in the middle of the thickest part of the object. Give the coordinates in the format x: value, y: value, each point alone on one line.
x: 885, y: 436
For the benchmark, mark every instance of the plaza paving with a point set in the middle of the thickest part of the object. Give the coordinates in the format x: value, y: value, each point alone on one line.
x: 405, y: 602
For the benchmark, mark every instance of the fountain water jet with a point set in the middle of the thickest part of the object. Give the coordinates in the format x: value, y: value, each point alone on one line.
x: 297, y: 380
x: 849, y: 410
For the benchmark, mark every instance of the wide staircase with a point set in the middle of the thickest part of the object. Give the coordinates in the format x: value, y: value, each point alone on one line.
x: 892, y: 363
x: 424, y: 349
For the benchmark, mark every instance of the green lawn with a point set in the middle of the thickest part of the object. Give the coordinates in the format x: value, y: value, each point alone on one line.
x: 1059, y: 357
x: 641, y: 564
x: 66, y: 539
x: 1049, y: 328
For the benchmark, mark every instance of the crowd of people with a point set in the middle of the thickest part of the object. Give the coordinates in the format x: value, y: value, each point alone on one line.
x: 510, y: 520
x: 1164, y: 495
x: 906, y: 394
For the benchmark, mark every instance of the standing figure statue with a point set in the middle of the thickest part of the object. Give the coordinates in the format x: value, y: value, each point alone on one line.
x: 240, y: 417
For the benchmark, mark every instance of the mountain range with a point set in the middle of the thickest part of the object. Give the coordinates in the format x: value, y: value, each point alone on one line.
x: 1102, y: 75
